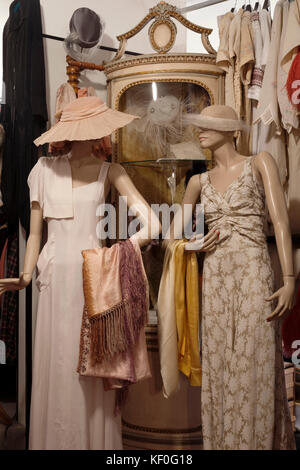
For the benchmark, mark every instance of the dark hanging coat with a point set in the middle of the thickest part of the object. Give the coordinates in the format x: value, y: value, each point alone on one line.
x: 25, y: 94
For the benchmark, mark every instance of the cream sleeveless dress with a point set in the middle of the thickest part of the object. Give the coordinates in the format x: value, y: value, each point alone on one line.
x: 244, y: 403
x: 67, y: 411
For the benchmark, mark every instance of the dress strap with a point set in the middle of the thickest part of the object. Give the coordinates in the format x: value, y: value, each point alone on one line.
x: 103, y: 172
x: 102, y: 177
x: 203, y: 178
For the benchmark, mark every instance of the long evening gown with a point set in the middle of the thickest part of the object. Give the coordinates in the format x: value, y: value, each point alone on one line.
x: 68, y: 411
x: 244, y: 403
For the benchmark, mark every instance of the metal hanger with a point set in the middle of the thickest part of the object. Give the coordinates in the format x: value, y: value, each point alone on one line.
x: 249, y: 7
x: 266, y: 5
x: 233, y: 9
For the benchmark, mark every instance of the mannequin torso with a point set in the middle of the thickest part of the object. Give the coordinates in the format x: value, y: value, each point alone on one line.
x: 240, y: 348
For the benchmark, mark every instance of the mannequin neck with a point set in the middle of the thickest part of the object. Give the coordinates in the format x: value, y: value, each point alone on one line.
x: 225, y: 155
x: 81, y: 152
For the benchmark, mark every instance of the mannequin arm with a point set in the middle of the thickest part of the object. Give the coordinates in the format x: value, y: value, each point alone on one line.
x: 34, y: 240
x: 268, y: 170
x: 31, y: 254
x: 151, y: 225
x: 182, y: 218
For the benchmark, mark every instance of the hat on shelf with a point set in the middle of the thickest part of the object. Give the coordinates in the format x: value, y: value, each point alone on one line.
x: 217, y: 117
x: 86, y: 118
x: 86, y: 30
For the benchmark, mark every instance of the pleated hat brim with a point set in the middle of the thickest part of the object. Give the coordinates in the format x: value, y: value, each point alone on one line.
x: 90, y: 128
x: 215, y: 123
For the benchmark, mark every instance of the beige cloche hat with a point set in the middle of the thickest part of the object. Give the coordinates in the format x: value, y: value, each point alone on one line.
x: 217, y: 117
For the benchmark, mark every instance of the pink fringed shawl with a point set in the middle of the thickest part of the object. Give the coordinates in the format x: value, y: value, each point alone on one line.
x: 112, y: 343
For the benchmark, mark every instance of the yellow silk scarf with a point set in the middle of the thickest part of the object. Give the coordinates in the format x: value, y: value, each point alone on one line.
x: 186, y: 296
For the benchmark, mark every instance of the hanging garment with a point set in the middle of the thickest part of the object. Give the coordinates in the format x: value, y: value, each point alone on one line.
x: 257, y: 73
x: 293, y: 192
x: 223, y: 59
x: 9, y: 309
x: 268, y: 109
x: 24, y: 78
x: 67, y: 411
x: 289, y: 118
x: 271, y: 136
x: 247, y: 60
x: 293, y: 82
x: 234, y: 54
x: 113, y: 343
x: 167, y: 329
x: 178, y: 318
x: 292, y: 37
x: 291, y: 328
x: 241, y: 55
x: 265, y: 26
x: 262, y: 34
x: 257, y: 76
x: 186, y: 293
x: 243, y: 400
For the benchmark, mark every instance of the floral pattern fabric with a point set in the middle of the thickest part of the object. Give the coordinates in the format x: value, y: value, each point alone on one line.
x: 244, y: 403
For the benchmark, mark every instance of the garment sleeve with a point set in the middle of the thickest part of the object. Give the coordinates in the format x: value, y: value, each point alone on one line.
x: 36, y: 183
x: 37, y: 63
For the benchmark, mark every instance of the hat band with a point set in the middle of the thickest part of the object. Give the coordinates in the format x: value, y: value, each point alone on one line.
x: 68, y: 116
x: 215, y: 123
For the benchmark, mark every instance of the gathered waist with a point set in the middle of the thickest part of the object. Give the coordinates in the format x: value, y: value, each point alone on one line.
x: 245, y: 233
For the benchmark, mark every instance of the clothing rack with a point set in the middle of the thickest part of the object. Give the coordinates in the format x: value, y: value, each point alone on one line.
x: 198, y: 6
x: 105, y: 48
x: 208, y: 3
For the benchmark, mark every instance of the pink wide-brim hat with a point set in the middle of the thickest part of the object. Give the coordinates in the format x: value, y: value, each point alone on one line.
x: 86, y: 118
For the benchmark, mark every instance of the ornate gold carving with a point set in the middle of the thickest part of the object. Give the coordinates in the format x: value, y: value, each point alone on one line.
x: 164, y: 11
x: 170, y: 43
x: 152, y: 72
x: 161, y: 431
x: 206, y: 43
x: 167, y: 80
x: 159, y: 59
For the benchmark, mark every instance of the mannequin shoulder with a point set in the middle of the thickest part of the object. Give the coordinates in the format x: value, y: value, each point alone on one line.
x: 193, y: 190
x: 115, y: 171
x: 194, y: 183
x: 263, y: 162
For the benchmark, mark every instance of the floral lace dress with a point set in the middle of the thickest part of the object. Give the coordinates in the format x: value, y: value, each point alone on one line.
x: 244, y: 403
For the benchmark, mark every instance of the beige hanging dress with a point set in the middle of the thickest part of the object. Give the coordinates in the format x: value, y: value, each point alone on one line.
x: 68, y: 412
x: 244, y: 403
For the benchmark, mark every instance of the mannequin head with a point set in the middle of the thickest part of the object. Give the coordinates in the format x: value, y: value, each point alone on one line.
x: 217, y: 125
x: 213, y: 138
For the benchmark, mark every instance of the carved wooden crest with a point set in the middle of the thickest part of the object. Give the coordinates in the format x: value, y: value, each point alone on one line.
x: 163, y: 31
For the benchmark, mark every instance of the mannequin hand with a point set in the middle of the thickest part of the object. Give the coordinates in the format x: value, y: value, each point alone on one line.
x: 15, y: 283
x: 285, y: 297
x: 200, y: 244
